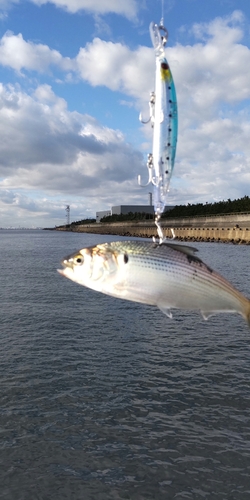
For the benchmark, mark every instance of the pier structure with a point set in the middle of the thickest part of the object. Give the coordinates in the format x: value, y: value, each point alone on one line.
x: 234, y: 228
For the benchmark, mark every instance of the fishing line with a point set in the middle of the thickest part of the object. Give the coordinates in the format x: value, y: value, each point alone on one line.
x: 162, y: 13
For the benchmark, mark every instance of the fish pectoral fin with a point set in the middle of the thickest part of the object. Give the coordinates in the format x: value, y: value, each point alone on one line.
x: 119, y: 288
x: 165, y: 310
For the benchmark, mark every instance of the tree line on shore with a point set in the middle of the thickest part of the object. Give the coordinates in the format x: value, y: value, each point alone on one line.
x: 217, y: 208
x: 83, y: 221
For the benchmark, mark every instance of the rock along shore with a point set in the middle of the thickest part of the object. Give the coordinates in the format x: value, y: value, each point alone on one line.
x: 228, y: 228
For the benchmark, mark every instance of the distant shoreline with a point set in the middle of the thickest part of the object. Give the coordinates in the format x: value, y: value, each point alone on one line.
x: 227, y: 229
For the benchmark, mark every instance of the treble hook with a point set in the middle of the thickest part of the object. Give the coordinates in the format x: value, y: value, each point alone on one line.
x: 151, y: 110
x: 161, y: 236
x: 159, y: 228
x: 150, y: 170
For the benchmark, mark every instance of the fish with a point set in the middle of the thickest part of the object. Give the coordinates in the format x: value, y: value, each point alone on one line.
x: 167, y: 275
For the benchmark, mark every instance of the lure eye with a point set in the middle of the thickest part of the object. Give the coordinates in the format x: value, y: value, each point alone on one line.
x: 164, y: 66
x: 78, y: 260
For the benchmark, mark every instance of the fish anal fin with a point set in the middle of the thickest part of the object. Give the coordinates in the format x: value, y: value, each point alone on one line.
x: 165, y: 310
x: 206, y: 314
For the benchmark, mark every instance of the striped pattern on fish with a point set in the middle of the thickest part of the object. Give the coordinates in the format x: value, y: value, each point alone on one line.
x: 169, y: 276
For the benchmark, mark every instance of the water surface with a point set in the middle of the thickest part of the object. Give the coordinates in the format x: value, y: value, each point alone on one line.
x: 107, y: 399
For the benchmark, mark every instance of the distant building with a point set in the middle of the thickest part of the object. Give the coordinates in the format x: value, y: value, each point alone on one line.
x: 126, y: 209
x: 169, y: 207
x: 104, y: 213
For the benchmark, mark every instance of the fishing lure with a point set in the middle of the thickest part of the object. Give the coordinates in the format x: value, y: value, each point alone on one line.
x: 164, y: 120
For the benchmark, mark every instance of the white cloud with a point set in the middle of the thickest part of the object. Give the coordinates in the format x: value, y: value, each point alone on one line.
x: 18, y: 54
x: 100, y: 63
x: 214, y: 71
x: 117, y: 67
x: 5, y: 6
x: 46, y: 147
x: 20, y: 209
x: 50, y: 156
x: 126, y: 8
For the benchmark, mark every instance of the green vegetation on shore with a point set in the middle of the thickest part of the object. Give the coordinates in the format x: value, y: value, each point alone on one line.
x: 127, y: 217
x: 77, y: 223
x: 218, y: 208
x: 83, y: 221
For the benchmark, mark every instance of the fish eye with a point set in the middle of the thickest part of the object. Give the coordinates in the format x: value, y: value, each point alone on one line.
x: 79, y: 259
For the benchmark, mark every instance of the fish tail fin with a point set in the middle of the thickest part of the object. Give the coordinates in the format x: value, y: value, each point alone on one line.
x: 246, y: 312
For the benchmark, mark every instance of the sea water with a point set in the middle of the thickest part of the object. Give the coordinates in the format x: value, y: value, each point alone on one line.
x: 102, y: 398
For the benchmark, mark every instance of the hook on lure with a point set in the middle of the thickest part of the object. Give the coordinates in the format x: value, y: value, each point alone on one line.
x: 164, y: 121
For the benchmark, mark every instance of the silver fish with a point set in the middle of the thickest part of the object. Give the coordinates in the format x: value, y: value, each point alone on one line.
x: 166, y: 275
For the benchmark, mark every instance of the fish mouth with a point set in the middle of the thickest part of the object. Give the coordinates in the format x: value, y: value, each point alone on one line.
x: 61, y: 271
x: 66, y: 263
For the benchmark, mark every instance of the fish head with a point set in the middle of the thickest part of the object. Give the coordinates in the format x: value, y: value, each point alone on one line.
x: 165, y: 70
x: 92, y: 267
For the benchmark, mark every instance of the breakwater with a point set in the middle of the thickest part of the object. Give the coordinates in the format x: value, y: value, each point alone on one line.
x: 227, y: 228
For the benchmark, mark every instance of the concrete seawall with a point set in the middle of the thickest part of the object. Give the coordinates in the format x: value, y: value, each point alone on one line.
x: 229, y: 228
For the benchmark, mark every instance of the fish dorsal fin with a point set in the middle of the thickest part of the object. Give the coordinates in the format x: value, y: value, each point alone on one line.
x: 182, y: 248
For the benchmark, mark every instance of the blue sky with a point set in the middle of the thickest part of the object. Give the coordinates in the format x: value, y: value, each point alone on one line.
x: 74, y: 75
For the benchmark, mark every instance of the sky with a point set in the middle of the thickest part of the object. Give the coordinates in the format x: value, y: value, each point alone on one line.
x: 74, y: 76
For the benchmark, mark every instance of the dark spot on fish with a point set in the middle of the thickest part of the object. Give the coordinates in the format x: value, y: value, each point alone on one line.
x: 166, y: 171
x: 169, y: 88
x: 125, y: 257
